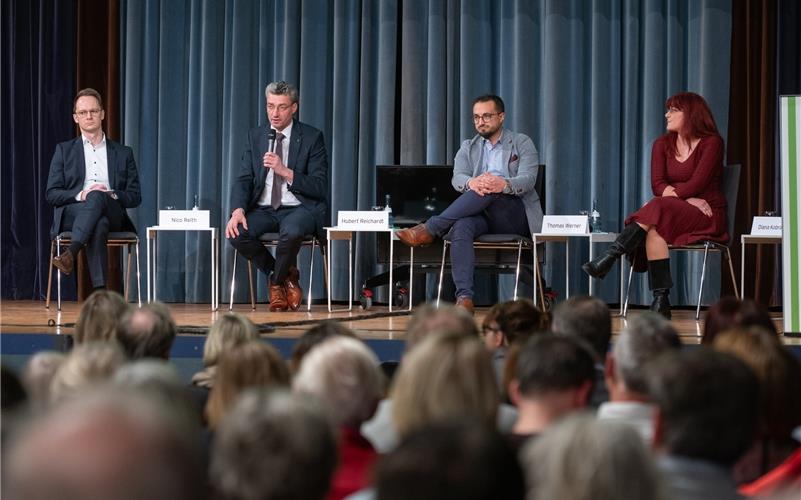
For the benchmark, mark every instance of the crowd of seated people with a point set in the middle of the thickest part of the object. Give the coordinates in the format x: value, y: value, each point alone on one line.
x: 530, y: 405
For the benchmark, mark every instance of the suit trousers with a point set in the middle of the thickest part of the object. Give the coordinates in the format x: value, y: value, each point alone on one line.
x: 291, y: 223
x: 90, y: 222
x: 470, y: 216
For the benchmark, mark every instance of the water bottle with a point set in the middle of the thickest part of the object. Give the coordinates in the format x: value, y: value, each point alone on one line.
x: 595, y: 218
x: 388, y: 209
x: 195, y: 205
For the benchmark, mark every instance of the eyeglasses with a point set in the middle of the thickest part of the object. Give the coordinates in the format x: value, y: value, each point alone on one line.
x: 282, y: 108
x: 673, y: 110
x: 85, y: 112
x: 484, y: 118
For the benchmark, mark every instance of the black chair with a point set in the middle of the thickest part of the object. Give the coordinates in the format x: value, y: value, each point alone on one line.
x: 504, y: 242
x: 730, y: 185
x: 270, y: 240
x: 125, y: 239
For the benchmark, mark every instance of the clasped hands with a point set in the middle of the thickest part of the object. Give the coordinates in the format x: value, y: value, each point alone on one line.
x: 487, y: 183
x: 93, y: 187
x: 698, y: 203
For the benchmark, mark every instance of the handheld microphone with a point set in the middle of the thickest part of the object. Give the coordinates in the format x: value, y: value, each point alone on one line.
x: 271, y: 141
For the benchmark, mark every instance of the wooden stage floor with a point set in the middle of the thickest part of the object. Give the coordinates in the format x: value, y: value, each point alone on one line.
x: 32, y: 317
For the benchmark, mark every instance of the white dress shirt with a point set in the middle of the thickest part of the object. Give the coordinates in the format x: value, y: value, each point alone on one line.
x: 287, y: 198
x: 96, y: 164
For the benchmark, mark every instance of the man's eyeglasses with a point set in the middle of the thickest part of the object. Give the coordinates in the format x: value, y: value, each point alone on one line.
x: 281, y: 108
x: 484, y: 118
x: 85, y: 112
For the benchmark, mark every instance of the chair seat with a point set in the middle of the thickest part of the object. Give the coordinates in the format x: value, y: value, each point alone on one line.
x: 268, y: 237
x: 114, y: 235
x: 497, y: 238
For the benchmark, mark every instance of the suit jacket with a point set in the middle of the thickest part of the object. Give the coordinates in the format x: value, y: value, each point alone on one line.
x: 522, y: 159
x: 307, y: 159
x: 68, y: 171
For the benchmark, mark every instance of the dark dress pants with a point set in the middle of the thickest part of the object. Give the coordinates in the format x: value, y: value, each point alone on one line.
x: 90, y: 222
x: 467, y: 218
x: 291, y: 223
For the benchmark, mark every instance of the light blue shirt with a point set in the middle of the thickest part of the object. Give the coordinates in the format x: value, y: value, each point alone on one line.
x: 493, y: 158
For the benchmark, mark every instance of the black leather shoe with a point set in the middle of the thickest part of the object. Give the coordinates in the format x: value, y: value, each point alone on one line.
x: 627, y: 242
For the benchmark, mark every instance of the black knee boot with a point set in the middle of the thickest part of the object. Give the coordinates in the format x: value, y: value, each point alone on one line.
x: 627, y: 242
x: 660, y: 283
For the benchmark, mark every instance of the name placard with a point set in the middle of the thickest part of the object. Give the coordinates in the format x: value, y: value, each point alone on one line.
x: 767, y: 226
x: 565, y: 224
x: 362, y: 220
x: 184, y: 219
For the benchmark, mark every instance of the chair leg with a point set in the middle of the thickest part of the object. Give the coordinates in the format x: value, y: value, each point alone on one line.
x: 538, y: 272
x: 731, y: 271
x: 58, y: 276
x: 311, y: 274
x: 127, y: 273
x: 517, y: 269
x: 442, y: 270
x: 628, y: 289
x: 50, y: 275
x: 138, y: 276
x: 701, y: 287
x: 233, y: 282
x: 250, y: 283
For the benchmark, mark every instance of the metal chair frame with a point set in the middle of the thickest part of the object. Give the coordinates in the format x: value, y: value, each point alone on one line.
x: 115, y: 239
x: 270, y: 240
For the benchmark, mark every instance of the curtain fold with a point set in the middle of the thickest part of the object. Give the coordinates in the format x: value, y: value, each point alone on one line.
x: 393, y: 82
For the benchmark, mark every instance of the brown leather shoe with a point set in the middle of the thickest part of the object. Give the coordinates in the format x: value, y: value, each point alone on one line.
x: 278, y: 300
x: 64, y: 262
x: 466, y: 303
x: 294, y: 294
x: 415, y: 236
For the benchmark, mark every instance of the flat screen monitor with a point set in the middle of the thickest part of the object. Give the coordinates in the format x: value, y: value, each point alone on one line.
x: 416, y: 191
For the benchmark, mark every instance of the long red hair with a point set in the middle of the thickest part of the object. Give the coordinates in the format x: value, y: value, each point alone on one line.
x: 698, y: 119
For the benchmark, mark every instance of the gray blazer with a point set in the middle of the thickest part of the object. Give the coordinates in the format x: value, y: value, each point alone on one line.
x: 523, y: 161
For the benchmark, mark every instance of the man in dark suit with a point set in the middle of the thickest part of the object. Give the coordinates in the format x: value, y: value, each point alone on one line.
x: 281, y: 187
x: 92, y: 181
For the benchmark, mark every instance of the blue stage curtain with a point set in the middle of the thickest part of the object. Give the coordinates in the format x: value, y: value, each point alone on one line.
x: 38, y: 84
x: 392, y: 82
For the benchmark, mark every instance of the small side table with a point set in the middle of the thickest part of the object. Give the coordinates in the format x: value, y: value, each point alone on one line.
x: 591, y: 238
x: 152, y: 232
x: 336, y: 234
x: 753, y: 239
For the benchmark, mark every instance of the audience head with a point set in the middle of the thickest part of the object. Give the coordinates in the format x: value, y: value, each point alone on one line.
x: 730, y: 312
x: 707, y: 404
x: 38, y: 376
x: 583, y: 458
x: 558, y: 371
x: 115, y: 445
x: 778, y: 371
x: 273, y: 445
x: 645, y: 337
x: 147, y: 331
x: 99, y: 318
x: 87, y: 365
x: 315, y: 335
x: 229, y: 330
x: 446, y: 376
x: 250, y: 364
x: 343, y: 374
x: 513, y: 321
x: 587, y: 318
x: 428, y: 319
x: 459, y: 459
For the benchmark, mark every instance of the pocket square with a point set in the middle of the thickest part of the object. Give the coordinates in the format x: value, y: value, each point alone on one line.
x: 513, y: 158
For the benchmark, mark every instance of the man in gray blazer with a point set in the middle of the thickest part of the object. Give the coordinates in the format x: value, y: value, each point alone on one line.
x: 495, y: 171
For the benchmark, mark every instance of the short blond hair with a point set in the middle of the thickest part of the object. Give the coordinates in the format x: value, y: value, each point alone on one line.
x: 230, y: 329
x: 446, y: 376
x: 100, y: 317
x: 88, y: 365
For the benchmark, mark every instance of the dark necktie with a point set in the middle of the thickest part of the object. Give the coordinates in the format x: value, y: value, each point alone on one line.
x: 278, y: 181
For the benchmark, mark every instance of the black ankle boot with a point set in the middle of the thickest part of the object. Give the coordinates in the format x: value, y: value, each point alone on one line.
x: 627, y: 242
x: 660, y: 284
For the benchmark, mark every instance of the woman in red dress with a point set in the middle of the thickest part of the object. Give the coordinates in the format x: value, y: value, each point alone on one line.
x: 688, y: 205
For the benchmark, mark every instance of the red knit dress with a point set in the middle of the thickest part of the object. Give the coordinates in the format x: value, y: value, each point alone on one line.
x: 699, y: 176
